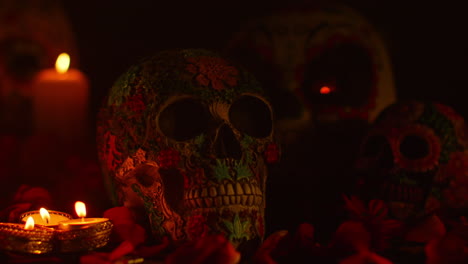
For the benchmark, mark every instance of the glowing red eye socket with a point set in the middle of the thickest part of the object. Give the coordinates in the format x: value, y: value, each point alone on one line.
x: 325, y: 90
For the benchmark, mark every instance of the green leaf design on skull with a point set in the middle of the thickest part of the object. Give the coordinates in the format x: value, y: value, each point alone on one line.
x: 199, y: 141
x: 124, y: 83
x: 242, y: 171
x: 237, y: 229
x: 246, y: 141
x: 221, y: 170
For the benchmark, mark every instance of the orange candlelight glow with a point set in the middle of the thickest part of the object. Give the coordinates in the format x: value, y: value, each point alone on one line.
x: 62, y: 63
x: 29, y: 224
x: 80, y: 209
x: 45, y: 215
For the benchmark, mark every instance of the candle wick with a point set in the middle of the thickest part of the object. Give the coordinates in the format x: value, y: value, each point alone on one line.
x: 47, y: 220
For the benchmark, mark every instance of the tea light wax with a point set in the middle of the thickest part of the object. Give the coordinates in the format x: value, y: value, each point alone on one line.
x: 82, y: 221
x: 48, y: 218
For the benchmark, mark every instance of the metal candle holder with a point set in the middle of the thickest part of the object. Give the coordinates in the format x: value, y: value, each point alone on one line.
x: 42, y: 240
x: 13, y: 237
x: 85, y: 238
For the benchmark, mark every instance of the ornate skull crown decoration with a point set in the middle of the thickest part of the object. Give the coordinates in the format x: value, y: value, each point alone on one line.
x: 187, y: 136
x: 415, y: 158
x: 328, y: 64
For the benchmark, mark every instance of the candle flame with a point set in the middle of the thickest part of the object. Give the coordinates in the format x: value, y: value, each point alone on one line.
x: 45, y: 215
x: 62, y: 63
x: 29, y: 223
x: 80, y: 209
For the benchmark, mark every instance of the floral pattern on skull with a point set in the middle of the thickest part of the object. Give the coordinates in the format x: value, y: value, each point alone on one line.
x: 415, y: 158
x: 183, y: 134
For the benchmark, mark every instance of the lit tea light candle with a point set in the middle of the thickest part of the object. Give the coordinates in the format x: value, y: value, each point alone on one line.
x: 60, y: 101
x: 47, y: 218
x: 82, y: 221
x: 29, y: 223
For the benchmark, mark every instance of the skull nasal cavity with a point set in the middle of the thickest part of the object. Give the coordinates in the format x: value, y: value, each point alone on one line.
x: 226, y: 144
x: 146, y: 174
x: 377, y: 147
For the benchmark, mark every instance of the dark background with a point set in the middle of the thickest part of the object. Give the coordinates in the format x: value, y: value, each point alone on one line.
x: 426, y: 40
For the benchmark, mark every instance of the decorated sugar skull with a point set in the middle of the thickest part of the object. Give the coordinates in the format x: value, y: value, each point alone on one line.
x: 318, y: 63
x: 32, y: 35
x: 188, y: 136
x: 415, y: 158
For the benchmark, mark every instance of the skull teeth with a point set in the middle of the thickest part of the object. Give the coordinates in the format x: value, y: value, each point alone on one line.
x: 403, y: 193
x: 225, y: 194
x: 208, y: 202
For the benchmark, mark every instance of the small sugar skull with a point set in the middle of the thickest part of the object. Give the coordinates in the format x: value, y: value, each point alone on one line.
x: 187, y: 136
x: 322, y: 63
x: 415, y: 158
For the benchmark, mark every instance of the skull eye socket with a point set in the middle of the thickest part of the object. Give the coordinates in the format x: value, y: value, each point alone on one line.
x: 251, y: 116
x: 341, y: 75
x: 414, y: 147
x: 184, y: 119
x: 373, y: 146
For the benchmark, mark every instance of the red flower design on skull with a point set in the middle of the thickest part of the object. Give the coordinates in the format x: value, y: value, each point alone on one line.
x: 136, y: 105
x: 197, y: 227
x: 456, y: 195
x: 448, y: 112
x: 214, y: 71
x: 272, y: 153
x: 458, y: 166
x: 168, y: 158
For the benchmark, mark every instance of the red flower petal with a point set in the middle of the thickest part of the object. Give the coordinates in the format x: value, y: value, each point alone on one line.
x: 209, y: 249
x: 154, y: 250
x: 132, y: 233
x: 123, y: 249
x: 119, y: 215
x: 27, y: 193
x: 271, y: 246
x: 95, y: 258
x: 304, y: 237
x: 378, y: 208
x: 351, y: 236
x: 355, y: 206
x: 15, y: 211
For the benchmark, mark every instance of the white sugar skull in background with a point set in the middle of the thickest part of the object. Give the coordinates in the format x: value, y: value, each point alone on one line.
x: 324, y: 63
x: 187, y: 136
x: 32, y: 35
x: 328, y: 74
